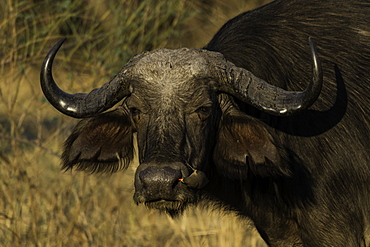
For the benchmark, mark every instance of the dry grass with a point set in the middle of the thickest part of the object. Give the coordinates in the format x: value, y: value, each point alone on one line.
x: 39, y: 205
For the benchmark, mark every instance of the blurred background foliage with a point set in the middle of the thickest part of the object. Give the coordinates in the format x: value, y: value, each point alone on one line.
x: 39, y: 205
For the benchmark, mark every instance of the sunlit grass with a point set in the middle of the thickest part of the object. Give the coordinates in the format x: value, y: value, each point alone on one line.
x: 40, y: 205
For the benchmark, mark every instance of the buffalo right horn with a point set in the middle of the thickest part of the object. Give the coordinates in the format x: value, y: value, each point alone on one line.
x: 245, y: 86
x: 82, y: 105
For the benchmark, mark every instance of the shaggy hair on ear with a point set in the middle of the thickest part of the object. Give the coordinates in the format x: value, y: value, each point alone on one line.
x: 244, y: 145
x: 100, y: 144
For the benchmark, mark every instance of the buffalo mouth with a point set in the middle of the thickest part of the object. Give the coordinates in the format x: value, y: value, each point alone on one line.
x: 172, y: 207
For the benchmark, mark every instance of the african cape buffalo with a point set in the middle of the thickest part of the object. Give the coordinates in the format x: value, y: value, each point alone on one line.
x: 257, y: 121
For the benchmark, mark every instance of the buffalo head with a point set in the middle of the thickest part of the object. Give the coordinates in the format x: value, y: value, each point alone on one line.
x: 181, y: 105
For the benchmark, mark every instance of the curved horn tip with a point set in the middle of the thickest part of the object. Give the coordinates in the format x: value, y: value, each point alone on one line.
x: 51, y: 91
x: 314, y: 55
x: 51, y: 55
x: 53, y: 51
x: 60, y: 42
x: 317, y: 68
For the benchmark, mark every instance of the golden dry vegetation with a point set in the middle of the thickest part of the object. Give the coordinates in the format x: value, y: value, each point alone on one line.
x: 39, y: 204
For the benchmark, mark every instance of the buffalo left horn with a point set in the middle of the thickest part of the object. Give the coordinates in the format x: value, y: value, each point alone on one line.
x: 245, y: 86
x: 82, y: 105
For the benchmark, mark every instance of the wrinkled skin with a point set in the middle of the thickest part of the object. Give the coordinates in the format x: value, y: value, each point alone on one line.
x: 175, y: 118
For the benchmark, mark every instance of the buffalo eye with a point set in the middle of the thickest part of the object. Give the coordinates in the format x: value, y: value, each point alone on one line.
x: 204, y: 112
x: 135, y: 113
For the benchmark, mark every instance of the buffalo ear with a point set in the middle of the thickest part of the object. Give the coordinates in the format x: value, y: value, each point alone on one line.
x: 244, y: 146
x: 100, y: 144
